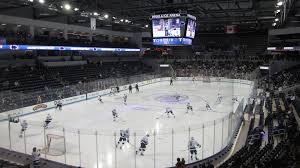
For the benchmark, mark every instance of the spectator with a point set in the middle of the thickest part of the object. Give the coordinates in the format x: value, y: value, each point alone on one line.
x: 17, y: 84
x: 183, y: 162
x: 209, y: 165
x: 179, y: 163
x: 39, y: 99
x: 35, y: 157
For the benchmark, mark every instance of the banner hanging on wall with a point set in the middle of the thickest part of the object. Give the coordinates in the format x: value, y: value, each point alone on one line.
x: 66, y: 48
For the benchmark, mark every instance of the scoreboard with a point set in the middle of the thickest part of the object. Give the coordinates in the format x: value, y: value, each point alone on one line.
x: 173, y: 29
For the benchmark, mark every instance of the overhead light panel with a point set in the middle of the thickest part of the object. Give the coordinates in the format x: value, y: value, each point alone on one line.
x: 76, y: 9
x: 106, y: 16
x: 41, y: 1
x: 67, y: 6
x: 280, y: 3
x: 96, y: 14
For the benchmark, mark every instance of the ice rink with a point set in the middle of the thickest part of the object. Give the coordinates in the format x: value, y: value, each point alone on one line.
x: 91, y: 131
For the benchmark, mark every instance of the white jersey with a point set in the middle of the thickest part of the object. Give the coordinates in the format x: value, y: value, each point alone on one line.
x: 48, y: 118
x: 24, y: 125
x: 123, y: 133
x: 193, y: 144
x: 35, y: 156
x: 125, y: 97
x: 59, y: 103
x: 145, y: 140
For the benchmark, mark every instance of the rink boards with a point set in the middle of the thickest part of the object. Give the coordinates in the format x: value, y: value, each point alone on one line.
x: 52, y: 104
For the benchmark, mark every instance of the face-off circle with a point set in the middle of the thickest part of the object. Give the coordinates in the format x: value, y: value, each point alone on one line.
x: 172, y: 98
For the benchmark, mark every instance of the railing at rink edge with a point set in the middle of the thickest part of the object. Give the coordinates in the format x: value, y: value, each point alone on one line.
x: 15, y: 101
x: 73, y: 148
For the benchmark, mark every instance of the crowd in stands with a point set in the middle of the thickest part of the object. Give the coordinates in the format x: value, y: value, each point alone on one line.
x: 271, y: 143
x: 274, y: 142
x: 287, y: 77
x: 29, y: 85
x: 231, y: 69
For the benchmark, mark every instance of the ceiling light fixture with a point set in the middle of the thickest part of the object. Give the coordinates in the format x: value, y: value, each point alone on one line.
x: 67, y: 6
x: 279, y: 3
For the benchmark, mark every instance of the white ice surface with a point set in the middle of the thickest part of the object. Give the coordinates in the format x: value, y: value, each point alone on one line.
x: 140, y: 116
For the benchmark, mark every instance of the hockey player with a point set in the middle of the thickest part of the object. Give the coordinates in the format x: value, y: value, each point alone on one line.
x: 100, y: 99
x: 130, y: 88
x: 47, y: 121
x: 115, y: 114
x: 192, y: 146
x: 219, y: 98
x: 193, y: 79
x: 169, y: 111
x: 13, y: 119
x: 144, y: 143
x: 125, y: 99
x: 124, y: 136
x: 59, y: 105
x: 171, y: 82
x: 24, y: 126
x: 137, y: 88
x: 189, y: 107
x: 177, y: 97
x: 208, y: 107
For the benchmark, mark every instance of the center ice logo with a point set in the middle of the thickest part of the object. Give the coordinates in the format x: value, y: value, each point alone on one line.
x: 172, y: 98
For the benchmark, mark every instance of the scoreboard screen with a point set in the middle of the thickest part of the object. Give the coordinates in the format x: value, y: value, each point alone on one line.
x: 173, y: 29
x: 191, y: 28
x: 168, y: 27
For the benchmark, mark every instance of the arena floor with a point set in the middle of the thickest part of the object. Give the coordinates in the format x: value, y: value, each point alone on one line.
x: 143, y: 114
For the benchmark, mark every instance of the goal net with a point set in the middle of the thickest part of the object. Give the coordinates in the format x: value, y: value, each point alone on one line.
x: 55, y: 145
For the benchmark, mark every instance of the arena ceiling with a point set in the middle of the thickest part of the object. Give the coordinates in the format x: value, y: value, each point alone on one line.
x: 133, y: 15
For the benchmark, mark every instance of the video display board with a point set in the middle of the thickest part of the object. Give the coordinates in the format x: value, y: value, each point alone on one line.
x: 173, y: 29
x: 168, y: 27
x: 191, y: 28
